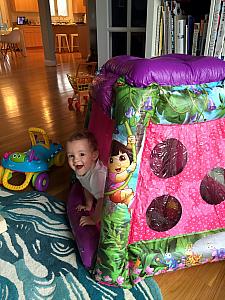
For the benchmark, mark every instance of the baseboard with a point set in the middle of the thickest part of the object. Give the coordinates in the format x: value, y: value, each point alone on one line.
x: 50, y: 63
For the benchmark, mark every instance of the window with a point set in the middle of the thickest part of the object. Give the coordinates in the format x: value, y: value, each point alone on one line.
x: 127, y: 30
x: 58, y: 8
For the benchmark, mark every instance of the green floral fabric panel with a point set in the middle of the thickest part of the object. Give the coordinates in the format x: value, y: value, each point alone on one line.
x: 117, y: 262
x: 148, y: 258
x: 112, y: 258
x: 190, y: 104
x: 184, y: 104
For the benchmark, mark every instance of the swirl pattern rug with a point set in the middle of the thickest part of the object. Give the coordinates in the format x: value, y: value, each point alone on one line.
x: 39, y: 259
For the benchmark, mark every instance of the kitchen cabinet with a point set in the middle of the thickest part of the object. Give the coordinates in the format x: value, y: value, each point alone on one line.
x: 25, y: 5
x: 32, y: 36
x: 79, y: 6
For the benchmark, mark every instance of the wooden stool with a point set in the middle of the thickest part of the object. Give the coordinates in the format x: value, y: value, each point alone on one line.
x: 74, y: 38
x: 62, y: 42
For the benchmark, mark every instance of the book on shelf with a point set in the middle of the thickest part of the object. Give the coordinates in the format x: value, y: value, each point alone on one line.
x: 166, y: 12
x: 195, y: 38
x: 223, y: 52
x: 190, y: 23
x: 161, y: 35
x: 200, y: 36
x: 209, y: 27
x: 169, y: 33
x: 220, y: 32
x: 168, y: 26
x: 203, y: 41
x: 157, y: 38
x: 180, y: 36
x: 179, y: 23
x: 186, y: 39
x: 214, y: 27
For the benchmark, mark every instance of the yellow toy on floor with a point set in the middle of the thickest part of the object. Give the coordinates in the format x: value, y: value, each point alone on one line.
x: 34, y: 163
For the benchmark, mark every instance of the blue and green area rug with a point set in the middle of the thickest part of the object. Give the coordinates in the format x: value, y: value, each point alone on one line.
x: 38, y: 256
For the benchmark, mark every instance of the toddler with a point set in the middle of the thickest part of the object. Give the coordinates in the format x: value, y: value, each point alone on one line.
x: 83, y: 158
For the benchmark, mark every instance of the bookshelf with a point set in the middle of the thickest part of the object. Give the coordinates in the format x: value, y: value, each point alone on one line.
x: 192, y: 27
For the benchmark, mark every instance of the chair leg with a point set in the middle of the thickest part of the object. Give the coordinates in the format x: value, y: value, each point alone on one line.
x: 71, y: 45
x: 67, y: 45
x: 4, y: 49
x: 59, y: 44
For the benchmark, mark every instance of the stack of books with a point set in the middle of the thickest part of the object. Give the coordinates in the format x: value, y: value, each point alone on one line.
x: 178, y: 32
x: 216, y: 30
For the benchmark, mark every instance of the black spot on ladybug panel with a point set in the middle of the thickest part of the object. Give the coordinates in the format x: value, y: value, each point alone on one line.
x: 163, y: 213
x: 212, y: 187
x: 168, y: 158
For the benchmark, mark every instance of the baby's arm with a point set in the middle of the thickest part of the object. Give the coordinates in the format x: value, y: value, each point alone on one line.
x: 88, y: 202
x: 95, y: 218
x: 98, y: 187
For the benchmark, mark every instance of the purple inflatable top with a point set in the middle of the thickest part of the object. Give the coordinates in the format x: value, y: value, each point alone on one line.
x: 171, y: 69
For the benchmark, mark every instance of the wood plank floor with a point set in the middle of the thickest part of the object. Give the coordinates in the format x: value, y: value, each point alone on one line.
x: 34, y: 95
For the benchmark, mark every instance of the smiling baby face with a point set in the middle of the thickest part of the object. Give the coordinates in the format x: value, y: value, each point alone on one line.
x: 81, y: 156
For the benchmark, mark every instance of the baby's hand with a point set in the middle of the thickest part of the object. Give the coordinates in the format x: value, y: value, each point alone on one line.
x: 86, y: 220
x: 83, y: 207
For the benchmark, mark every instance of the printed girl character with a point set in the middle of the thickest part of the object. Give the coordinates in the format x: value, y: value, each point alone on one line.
x: 120, y: 166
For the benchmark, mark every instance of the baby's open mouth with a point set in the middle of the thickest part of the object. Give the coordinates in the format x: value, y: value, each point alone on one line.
x: 78, y: 167
x: 118, y: 170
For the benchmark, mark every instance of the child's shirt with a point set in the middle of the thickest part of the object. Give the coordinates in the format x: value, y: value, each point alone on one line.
x: 94, y: 180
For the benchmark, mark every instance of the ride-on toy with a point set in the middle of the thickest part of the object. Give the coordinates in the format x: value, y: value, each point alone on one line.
x: 34, y: 163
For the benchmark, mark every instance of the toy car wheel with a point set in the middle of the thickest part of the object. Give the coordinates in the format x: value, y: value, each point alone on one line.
x: 34, y: 178
x: 1, y: 173
x: 77, y: 106
x: 41, y: 182
x: 70, y: 101
x: 59, y: 159
x: 70, y: 107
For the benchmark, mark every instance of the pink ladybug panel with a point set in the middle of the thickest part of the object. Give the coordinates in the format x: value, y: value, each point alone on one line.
x: 181, y: 186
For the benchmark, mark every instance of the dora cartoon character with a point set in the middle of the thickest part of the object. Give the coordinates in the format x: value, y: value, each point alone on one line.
x: 120, y: 166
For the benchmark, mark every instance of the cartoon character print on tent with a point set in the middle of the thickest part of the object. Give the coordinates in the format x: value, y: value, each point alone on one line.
x: 164, y: 202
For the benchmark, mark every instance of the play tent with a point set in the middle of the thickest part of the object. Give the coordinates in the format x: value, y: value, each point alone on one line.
x: 160, y: 127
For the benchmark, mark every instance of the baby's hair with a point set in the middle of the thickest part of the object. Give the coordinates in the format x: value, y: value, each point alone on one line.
x: 118, y: 147
x: 85, y: 135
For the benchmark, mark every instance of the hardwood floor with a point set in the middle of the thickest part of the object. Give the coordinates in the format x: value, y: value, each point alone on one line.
x: 34, y: 95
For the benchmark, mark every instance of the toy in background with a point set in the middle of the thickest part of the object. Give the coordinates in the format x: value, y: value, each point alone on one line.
x: 81, y: 82
x: 34, y: 163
